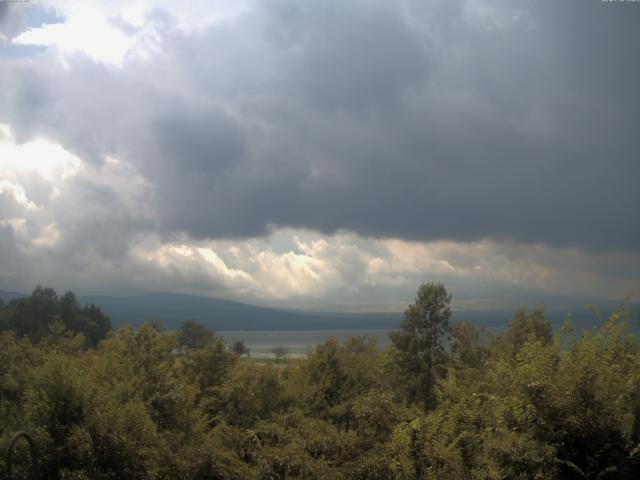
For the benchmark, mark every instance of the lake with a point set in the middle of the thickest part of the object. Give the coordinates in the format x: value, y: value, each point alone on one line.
x: 297, y: 341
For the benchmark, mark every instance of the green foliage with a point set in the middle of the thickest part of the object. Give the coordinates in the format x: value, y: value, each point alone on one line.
x: 252, y: 392
x: 420, y: 355
x: 18, y: 361
x: 32, y: 316
x: 334, y: 376
x: 526, y: 405
x: 469, y: 347
x: 280, y: 352
x: 527, y: 326
x: 240, y: 348
x: 194, y: 335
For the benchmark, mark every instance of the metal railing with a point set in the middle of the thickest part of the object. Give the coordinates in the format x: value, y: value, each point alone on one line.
x: 32, y: 451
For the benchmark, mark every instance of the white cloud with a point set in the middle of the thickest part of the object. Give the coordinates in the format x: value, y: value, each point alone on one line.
x: 191, y: 14
x: 43, y: 186
x: 243, y: 267
x: 320, y: 267
x: 85, y: 227
x: 81, y: 226
x: 40, y: 155
x: 13, y: 191
x: 109, y: 32
x: 85, y: 30
x: 190, y: 260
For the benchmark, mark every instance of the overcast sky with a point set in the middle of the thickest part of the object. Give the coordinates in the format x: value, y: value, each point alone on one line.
x: 321, y: 154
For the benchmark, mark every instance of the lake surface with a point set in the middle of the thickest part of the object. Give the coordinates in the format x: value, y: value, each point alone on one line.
x: 297, y: 342
x: 260, y: 342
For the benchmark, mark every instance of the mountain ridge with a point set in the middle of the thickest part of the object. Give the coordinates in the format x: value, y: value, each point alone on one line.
x: 171, y: 309
x: 225, y: 315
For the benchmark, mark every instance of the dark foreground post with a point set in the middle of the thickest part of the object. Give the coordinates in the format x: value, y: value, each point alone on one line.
x: 32, y: 450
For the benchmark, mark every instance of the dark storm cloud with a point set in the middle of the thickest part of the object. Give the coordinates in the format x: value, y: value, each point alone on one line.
x: 357, y: 56
x: 418, y: 120
x: 95, y: 223
x: 11, y: 20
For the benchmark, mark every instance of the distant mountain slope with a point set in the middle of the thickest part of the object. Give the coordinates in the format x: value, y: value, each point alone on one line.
x: 8, y: 296
x: 224, y: 315
x: 171, y: 309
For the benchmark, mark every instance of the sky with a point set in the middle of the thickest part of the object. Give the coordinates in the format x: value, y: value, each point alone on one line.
x: 326, y: 154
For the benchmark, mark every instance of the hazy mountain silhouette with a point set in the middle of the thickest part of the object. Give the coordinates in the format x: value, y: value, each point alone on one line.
x: 8, y: 296
x: 173, y: 308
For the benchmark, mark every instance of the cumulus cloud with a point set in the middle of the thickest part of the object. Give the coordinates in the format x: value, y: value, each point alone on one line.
x: 101, y: 40
x: 69, y: 223
x: 492, y: 141
x: 449, y: 120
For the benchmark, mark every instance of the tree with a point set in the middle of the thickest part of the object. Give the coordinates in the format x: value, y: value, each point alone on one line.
x: 31, y: 316
x: 251, y: 392
x: 468, y: 348
x: 194, y: 335
x: 527, y: 326
x: 280, y: 352
x: 420, y: 353
x: 93, y: 323
x: 239, y: 348
x: 4, y: 316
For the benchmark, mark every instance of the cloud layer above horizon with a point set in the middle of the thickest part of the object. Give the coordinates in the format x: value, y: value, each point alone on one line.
x: 336, y: 152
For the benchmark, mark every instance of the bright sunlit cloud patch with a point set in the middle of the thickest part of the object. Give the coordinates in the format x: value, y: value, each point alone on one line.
x: 50, y: 199
x: 86, y: 30
x: 301, y: 267
x: 194, y: 123
x: 98, y: 225
x: 40, y: 155
x: 108, y: 32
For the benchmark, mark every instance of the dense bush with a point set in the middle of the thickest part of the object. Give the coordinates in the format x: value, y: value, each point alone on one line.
x: 149, y: 404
